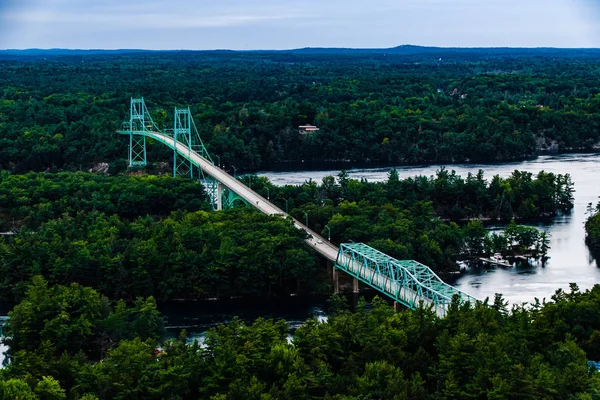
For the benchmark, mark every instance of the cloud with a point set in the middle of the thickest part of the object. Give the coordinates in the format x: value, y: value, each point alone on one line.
x: 145, y: 20
x: 244, y: 24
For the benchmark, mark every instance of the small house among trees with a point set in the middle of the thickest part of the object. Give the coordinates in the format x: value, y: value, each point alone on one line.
x: 305, y: 129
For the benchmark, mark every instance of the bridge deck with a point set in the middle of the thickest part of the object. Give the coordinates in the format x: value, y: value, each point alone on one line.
x: 325, y: 248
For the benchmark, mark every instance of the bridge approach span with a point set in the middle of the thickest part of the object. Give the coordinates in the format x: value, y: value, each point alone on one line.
x: 317, y: 242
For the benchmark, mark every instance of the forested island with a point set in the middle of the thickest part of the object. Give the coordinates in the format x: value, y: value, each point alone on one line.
x: 60, y: 111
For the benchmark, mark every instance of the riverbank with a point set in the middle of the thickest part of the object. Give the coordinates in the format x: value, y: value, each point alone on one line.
x: 311, y: 165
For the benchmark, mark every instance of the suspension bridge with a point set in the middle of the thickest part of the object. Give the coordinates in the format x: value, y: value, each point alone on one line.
x: 406, y: 282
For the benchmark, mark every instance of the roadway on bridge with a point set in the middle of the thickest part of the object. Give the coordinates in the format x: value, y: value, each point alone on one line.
x: 317, y: 242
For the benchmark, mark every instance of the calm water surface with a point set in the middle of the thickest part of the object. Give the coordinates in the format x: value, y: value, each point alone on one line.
x: 198, y: 317
x: 4, y: 309
x: 570, y: 259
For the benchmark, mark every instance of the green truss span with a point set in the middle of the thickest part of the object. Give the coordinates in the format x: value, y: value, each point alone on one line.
x: 408, y: 282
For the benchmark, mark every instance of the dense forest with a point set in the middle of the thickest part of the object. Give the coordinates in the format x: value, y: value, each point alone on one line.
x: 185, y: 256
x: 60, y: 112
x: 69, y: 342
x: 453, y: 197
x: 28, y: 200
x: 87, y: 256
x: 129, y: 235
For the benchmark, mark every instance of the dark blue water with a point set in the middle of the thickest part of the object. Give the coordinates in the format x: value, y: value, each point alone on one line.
x: 198, y: 317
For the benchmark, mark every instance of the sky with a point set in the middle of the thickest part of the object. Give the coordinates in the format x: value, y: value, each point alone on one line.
x: 288, y: 24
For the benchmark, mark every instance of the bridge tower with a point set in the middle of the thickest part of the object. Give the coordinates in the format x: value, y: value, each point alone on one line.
x: 185, y: 133
x: 137, y: 128
x: 182, y: 132
x: 185, y: 140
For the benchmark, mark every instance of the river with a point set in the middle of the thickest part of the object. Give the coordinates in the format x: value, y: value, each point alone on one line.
x: 570, y: 258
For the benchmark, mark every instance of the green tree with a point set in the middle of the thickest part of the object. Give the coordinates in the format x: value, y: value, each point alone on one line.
x: 53, y: 321
x: 48, y: 388
x: 15, y: 389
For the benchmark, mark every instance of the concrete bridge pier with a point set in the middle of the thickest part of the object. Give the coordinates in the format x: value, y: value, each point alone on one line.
x: 219, y: 196
x: 355, y: 285
x: 336, y: 279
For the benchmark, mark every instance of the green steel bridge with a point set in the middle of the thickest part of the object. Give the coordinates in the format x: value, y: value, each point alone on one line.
x: 406, y: 282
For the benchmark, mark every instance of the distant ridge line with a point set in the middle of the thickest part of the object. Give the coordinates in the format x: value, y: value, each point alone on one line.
x: 398, y: 50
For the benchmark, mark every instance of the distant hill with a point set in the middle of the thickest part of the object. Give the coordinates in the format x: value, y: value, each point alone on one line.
x: 406, y: 50
x: 412, y: 50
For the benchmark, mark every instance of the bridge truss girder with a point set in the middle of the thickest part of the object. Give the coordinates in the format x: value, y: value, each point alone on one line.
x: 407, y: 282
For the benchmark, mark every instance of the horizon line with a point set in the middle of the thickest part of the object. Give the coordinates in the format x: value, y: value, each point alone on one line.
x: 305, y: 48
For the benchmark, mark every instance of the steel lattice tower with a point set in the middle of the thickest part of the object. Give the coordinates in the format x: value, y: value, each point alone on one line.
x: 137, y: 127
x: 184, y: 139
x: 182, y: 132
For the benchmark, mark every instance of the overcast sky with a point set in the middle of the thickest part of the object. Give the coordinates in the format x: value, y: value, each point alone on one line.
x: 286, y: 24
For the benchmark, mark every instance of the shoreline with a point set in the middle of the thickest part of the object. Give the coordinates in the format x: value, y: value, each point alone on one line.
x: 347, y: 165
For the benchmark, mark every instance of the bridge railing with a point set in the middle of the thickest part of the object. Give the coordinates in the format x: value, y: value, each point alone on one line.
x: 407, y: 282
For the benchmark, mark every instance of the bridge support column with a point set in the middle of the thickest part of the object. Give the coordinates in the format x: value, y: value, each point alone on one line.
x: 336, y: 281
x: 219, y: 197
x: 397, y: 306
x: 355, y: 285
